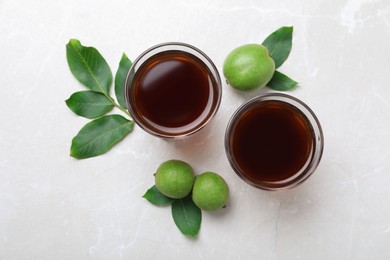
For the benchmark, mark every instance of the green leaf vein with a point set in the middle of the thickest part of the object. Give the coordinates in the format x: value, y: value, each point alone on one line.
x: 104, y: 134
x: 89, y: 68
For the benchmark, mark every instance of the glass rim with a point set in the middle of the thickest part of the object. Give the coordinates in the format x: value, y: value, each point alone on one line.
x: 317, y: 139
x: 214, y: 74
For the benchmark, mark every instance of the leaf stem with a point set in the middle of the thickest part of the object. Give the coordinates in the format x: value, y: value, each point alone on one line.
x: 117, y: 105
x: 122, y: 109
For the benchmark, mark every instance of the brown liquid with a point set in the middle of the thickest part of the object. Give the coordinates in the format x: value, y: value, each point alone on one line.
x: 173, y: 92
x: 271, y: 142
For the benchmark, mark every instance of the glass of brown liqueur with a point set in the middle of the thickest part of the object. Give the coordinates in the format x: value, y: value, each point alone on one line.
x: 173, y: 90
x: 274, y: 142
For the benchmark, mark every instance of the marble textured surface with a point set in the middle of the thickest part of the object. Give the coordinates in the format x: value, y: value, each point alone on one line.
x: 55, y: 207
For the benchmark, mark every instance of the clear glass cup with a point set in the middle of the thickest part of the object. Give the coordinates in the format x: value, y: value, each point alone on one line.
x: 197, y: 66
x: 260, y: 179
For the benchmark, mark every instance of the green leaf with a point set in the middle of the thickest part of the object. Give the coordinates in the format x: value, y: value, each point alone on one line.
x: 99, y: 135
x: 281, y: 82
x: 187, y: 216
x: 154, y: 196
x: 279, y: 45
x: 120, y: 78
x: 89, y: 104
x: 88, y: 66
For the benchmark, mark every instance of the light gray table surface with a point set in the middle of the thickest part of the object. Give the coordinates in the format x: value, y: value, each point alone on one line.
x: 53, y: 206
